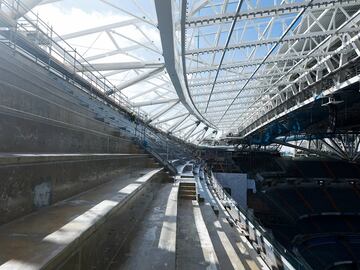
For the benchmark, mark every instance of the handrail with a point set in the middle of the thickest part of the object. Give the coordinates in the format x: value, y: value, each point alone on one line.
x: 296, y: 263
x: 72, y: 66
x: 158, y: 145
x: 44, y: 37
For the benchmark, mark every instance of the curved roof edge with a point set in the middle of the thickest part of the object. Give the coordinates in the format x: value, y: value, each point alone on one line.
x: 174, y: 60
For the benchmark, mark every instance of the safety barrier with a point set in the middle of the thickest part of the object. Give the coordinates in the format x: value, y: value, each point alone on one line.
x: 273, y: 253
x: 62, y: 60
x: 34, y: 39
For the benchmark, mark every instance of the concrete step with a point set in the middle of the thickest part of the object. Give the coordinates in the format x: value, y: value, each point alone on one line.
x: 207, y: 241
x: 184, y: 176
x: 23, y: 100
x: 95, y: 224
x: 194, y: 247
x: 49, y: 178
x: 188, y: 197
x: 188, y: 188
x: 187, y: 184
x: 187, y: 192
x: 154, y: 243
x: 25, y: 132
x: 38, y: 80
x: 43, y: 95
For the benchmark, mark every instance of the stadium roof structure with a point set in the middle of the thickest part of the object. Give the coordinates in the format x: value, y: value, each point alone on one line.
x: 200, y: 67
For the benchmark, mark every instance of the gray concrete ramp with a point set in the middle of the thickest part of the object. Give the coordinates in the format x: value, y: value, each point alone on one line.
x: 189, y: 253
x: 232, y: 250
x: 206, y: 240
x: 154, y: 241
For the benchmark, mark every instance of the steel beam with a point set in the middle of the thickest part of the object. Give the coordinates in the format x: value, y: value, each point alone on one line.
x: 171, y: 129
x: 98, y: 29
x: 226, y: 91
x: 266, y: 12
x: 272, y: 41
x: 317, y: 152
x: 225, y: 48
x: 20, y: 8
x: 201, y: 134
x: 171, y: 118
x: 119, y: 8
x: 319, y: 66
x: 163, y: 111
x: 284, y: 34
x: 124, y: 50
x: 248, y: 76
x: 188, y: 134
x: 198, y: 6
x: 120, y: 66
x: 173, y: 61
x: 278, y: 59
x: 147, y: 91
x: 143, y: 76
x: 197, y: 133
x: 154, y: 102
x: 184, y: 127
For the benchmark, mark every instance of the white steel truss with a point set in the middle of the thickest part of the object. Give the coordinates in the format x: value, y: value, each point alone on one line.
x: 192, y: 66
x: 245, y: 59
x: 126, y: 50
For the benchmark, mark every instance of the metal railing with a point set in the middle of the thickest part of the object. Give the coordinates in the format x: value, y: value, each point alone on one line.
x: 247, y: 221
x: 52, y: 52
x: 161, y: 147
x: 58, y: 52
x: 352, y: 69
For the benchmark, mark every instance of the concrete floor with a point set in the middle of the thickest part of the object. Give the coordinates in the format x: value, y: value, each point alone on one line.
x: 32, y: 241
x: 172, y: 233
x: 232, y: 251
x: 194, y: 249
x: 205, y: 241
x: 153, y: 244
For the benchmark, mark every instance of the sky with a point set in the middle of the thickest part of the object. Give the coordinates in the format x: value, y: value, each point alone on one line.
x: 70, y: 16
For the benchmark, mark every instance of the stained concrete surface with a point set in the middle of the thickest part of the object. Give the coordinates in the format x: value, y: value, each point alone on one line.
x: 154, y: 240
x: 33, y: 241
x: 189, y: 250
x: 38, y: 114
x: 32, y: 181
x: 232, y: 252
x: 205, y: 241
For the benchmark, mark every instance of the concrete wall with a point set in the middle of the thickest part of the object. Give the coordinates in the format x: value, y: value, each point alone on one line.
x: 98, y: 250
x: 37, y: 182
x: 238, y: 183
x: 43, y: 114
x: 24, y: 133
x: 40, y: 112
